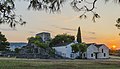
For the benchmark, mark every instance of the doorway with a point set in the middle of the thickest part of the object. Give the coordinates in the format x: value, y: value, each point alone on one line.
x: 96, y: 55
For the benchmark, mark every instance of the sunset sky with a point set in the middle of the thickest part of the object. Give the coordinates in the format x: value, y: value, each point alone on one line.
x: 103, y: 31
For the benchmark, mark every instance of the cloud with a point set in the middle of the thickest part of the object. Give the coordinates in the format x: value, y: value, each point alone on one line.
x: 70, y: 29
x: 31, y: 32
x: 89, y: 38
x: 8, y: 29
x: 91, y: 32
x: 45, y: 30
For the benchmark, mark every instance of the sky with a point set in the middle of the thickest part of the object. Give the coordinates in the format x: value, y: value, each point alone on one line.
x: 102, y: 31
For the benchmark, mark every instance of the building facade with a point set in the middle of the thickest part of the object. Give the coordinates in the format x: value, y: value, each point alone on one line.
x: 65, y: 51
x: 97, y: 51
x: 94, y: 51
x: 44, y: 35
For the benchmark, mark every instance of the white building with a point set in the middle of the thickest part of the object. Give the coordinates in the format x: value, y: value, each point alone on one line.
x: 44, y: 35
x: 65, y: 51
x: 97, y: 51
x: 94, y: 51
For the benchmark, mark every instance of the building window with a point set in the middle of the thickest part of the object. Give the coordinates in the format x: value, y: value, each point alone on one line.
x: 104, y: 54
x: 91, y: 55
x: 64, y: 54
x: 70, y: 55
x: 102, y: 50
x: 84, y: 54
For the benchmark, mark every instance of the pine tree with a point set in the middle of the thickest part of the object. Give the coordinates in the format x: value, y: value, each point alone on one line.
x: 4, y: 45
x: 79, y: 39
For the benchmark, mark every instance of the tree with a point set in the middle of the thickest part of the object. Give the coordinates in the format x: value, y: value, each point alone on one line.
x: 79, y: 39
x: 7, y: 9
x: 4, y: 44
x: 79, y: 47
x: 17, y: 50
x: 7, y: 14
x: 37, y: 40
x: 75, y: 48
x: 118, y: 24
x: 36, y: 44
x: 62, y: 39
x: 33, y: 39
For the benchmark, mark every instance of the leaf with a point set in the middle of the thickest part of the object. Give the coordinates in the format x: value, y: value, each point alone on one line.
x: 118, y: 20
x: 80, y: 16
x: 93, y: 19
x: 85, y: 16
x: 96, y: 15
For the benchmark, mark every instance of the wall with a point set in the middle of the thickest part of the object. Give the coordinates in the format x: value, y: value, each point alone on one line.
x: 90, y: 50
x: 105, y: 50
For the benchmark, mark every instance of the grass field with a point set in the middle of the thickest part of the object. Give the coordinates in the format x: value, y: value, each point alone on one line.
x: 12, y: 63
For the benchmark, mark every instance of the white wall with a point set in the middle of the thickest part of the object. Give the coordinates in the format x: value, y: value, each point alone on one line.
x: 90, y: 50
x: 66, y: 50
x: 105, y: 50
x: 61, y: 50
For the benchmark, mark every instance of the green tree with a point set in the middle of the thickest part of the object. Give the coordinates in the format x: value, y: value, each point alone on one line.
x: 17, y: 50
x: 75, y: 48
x: 37, y: 40
x: 79, y: 39
x: 79, y: 47
x: 4, y: 44
x: 33, y: 39
x: 62, y: 39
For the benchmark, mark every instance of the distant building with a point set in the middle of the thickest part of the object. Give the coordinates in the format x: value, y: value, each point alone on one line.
x: 94, y: 51
x: 44, y: 35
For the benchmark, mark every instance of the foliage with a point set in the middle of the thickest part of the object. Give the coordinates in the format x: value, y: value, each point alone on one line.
x: 118, y: 23
x: 79, y: 47
x: 79, y: 39
x: 83, y: 47
x: 4, y: 45
x: 47, y: 5
x: 37, y: 40
x: 40, y: 44
x: 76, y: 6
x: 75, y: 48
x: 62, y: 39
x: 33, y: 39
x: 7, y: 9
x: 55, y: 6
x: 17, y: 50
x: 7, y: 14
x: 52, y: 52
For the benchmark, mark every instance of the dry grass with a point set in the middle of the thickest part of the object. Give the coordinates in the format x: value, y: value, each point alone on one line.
x: 13, y: 63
